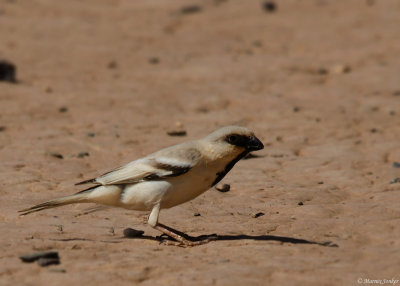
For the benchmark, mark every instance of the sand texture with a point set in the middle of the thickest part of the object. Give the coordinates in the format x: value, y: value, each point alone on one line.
x: 101, y: 82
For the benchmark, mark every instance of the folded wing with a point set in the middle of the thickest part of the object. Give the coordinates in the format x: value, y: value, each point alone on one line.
x: 155, y: 167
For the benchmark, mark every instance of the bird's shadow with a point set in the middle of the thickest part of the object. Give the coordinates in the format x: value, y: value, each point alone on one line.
x: 217, y: 237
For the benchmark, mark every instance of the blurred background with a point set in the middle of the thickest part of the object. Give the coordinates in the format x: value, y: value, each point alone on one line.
x: 86, y: 86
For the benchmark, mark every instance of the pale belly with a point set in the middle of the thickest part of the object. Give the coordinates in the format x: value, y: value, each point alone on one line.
x: 168, y: 193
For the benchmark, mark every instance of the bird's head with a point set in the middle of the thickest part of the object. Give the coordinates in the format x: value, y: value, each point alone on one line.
x: 234, y: 140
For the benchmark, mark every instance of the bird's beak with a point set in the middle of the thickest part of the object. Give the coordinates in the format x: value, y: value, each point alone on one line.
x: 254, y: 144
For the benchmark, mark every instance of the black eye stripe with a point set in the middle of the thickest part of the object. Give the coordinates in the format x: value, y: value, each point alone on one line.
x: 237, y: 140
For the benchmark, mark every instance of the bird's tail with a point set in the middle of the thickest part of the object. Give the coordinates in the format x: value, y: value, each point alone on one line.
x: 77, y: 198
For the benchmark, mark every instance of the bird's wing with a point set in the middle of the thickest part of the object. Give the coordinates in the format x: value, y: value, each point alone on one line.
x: 170, y: 162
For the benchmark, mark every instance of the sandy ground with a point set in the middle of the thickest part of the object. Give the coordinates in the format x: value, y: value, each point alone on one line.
x: 318, y: 82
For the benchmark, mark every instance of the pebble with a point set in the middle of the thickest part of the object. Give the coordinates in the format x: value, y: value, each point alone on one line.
x: 300, y: 203
x: 83, y: 154
x: 269, y: 6
x: 396, y: 93
x: 395, y: 180
x: 63, y: 109
x: 2, y: 128
x: 28, y: 258
x: 258, y: 214
x: 197, y: 214
x: 154, y: 61
x: 223, y: 188
x: 396, y: 165
x: 112, y: 65
x: 191, y: 9
x: 177, y: 133
x: 44, y: 261
x: 130, y: 232
x: 7, y: 71
x: 340, y: 69
x: 57, y: 155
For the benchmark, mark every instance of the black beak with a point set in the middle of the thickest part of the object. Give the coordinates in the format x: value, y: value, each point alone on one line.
x: 254, y: 144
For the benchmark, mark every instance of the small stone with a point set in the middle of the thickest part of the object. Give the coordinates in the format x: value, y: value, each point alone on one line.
x: 2, y: 128
x: 177, y: 133
x: 258, y: 215
x: 28, y: 258
x: 48, y: 89
x: 300, y: 203
x: 58, y: 270
x: 395, y: 180
x: 154, y: 61
x: 197, y: 214
x: 322, y: 71
x: 320, y: 183
x: 269, y: 6
x: 63, y: 109
x: 56, y: 155
x: 112, y: 65
x: 223, y: 188
x: 396, y: 165
x: 191, y: 9
x: 296, y: 109
x: 91, y: 134
x: 44, y: 261
x: 7, y: 71
x: 373, y: 130
x: 83, y: 154
x: 340, y: 69
x: 396, y: 93
x: 257, y: 44
x: 130, y: 232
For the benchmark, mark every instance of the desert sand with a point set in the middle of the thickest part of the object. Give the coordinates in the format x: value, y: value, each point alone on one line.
x: 99, y: 83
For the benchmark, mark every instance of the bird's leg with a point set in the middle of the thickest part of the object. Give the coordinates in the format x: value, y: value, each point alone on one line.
x: 179, y: 237
x: 182, y: 241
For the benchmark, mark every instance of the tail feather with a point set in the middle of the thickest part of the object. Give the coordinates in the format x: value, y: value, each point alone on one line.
x: 77, y: 198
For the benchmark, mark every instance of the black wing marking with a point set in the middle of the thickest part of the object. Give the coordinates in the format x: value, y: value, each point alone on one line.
x: 91, y: 181
x: 172, y: 171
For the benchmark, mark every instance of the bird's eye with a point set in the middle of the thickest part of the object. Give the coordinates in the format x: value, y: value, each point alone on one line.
x: 233, y: 139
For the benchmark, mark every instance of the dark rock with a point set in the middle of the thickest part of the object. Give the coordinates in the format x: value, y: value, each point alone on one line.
x: 191, y: 9
x: 154, y: 61
x: 130, y: 232
x: 57, y: 155
x: 197, y: 214
x: 83, y: 154
x: 258, y: 214
x: 177, y: 133
x: 223, y: 188
x: 395, y: 180
x: 63, y: 109
x: 112, y: 65
x: 300, y: 203
x: 396, y: 165
x: 320, y: 183
x: 396, y: 93
x: 7, y: 71
x: 91, y: 134
x: 28, y: 258
x: 269, y: 6
x: 373, y: 130
x: 2, y: 128
x: 44, y: 261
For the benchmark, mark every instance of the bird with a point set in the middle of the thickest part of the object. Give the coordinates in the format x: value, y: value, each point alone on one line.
x: 166, y: 178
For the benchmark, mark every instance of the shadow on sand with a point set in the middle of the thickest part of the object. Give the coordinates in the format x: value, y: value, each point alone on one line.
x: 216, y: 237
